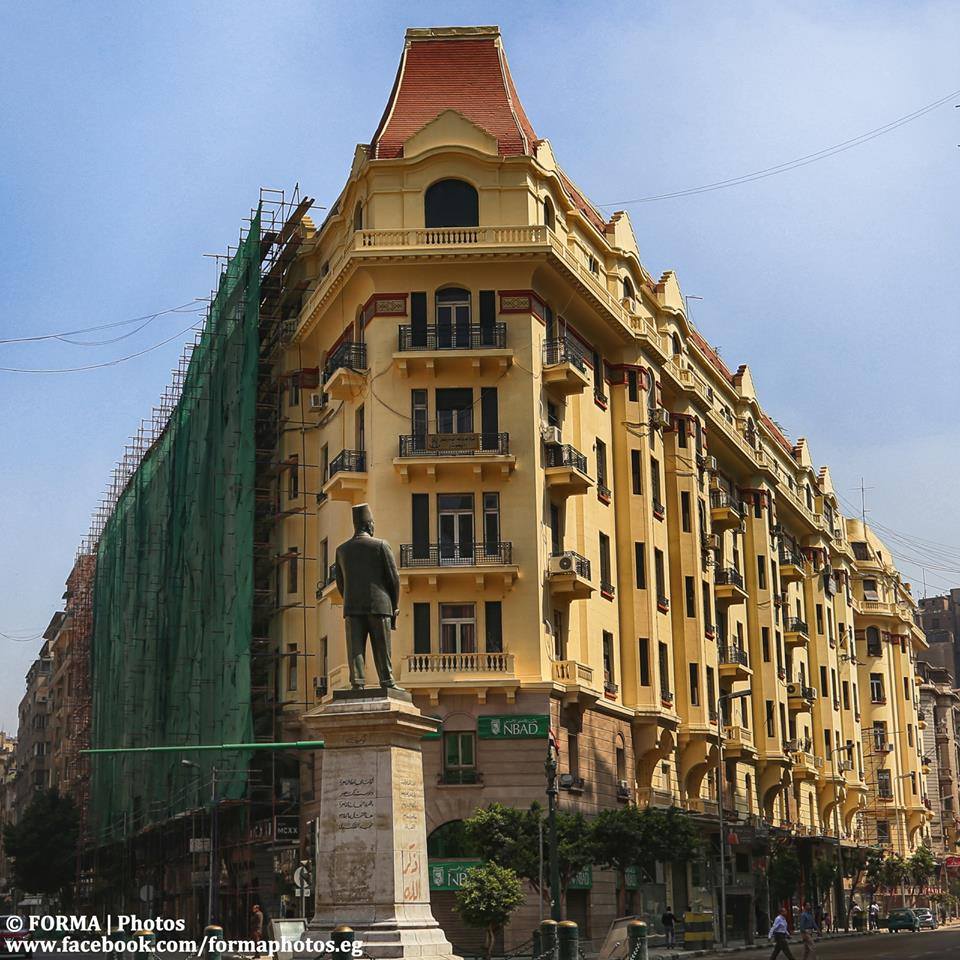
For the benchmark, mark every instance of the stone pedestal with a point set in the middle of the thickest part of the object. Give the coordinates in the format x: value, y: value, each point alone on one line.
x: 372, y: 842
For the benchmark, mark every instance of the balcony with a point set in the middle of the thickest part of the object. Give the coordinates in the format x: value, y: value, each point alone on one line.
x: 800, y: 698
x: 726, y: 510
x: 327, y: 588
x: 941, y: 732
x: 795, y: 632
x: 572, y: 673
x: 565, y: 369
x: 464, y: 455
x: 569, y: 576
x: 429, y: 668
x: 347, y: 477
x: 733, y: 663
x: 659, y: 510
x: 805, y: 765
x: 738, y: 742
x: 792, y: 567
x: 485, y: 564
x: 663, y: 603
x: 607, y: 590
x: 882, y: 746
x: 566, y: 469
x: 345, y: 373
x: 728, y: 587
x: 479, y: 348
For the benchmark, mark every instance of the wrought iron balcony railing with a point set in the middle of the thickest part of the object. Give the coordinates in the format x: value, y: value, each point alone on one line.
x: 479, y: 554
x: 350, y: 354
x: 564, y: 455
x: 728, y: 576
x: 795, y: 625
x: 562, y: 350
x: 471, y: 336
x: 732, y: 654
x: 454, y: 444
x: 720, y: 498
x: 348, y: 461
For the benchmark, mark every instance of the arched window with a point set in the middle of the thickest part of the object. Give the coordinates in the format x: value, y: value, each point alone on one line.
x: 627, y: 288
x: 675, y: 343
x: 358, y: 216
x: 549, y: 217
x: 451, y: 203
x: 453, y: 318
x: 621, y: 756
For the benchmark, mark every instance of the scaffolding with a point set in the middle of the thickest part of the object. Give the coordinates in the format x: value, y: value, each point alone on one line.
x: 185, y: 647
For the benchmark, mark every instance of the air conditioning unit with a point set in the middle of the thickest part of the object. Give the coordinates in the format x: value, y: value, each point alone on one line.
x: 791, y: 746
x: 318, y: 401
x: 712, y: 541
x: 563, y: 563
x: 551, y: 435
x: 712, y: 466
x: 793, y: 689
x: 660, y: 419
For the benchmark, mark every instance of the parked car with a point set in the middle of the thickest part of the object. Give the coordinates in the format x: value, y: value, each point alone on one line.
x: 11, y: 928
x: 926, y: 918
x: 902, y: 919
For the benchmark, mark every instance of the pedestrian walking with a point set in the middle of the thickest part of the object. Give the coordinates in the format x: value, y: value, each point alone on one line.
x: 874, y: 915
x: 808, y: 926
x: 256, y: 922
x: 827, y: 920
x: 669, y: 922
x: 780, y: 935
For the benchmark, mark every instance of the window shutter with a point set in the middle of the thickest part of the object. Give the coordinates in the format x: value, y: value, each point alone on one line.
x: 421, y: 628
x: 493, y: 615
x: 418, y: 319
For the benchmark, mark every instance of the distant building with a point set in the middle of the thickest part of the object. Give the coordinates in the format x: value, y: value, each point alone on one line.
x: 940, y: 723
x: 8, y: 774
x: 940, y: 619
x: 33, y: 741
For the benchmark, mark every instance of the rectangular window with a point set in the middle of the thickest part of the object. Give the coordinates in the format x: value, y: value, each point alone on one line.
x: 876, y: 688
x: 711, y: 690
x: 608, y: 656
x: 293, y: 570
x: 883, y: 831
x: 324, y: 464
x: 295, y: 390
x: 359, y: 430
x: 322, y: 662
x: 682, y: 433
x: 906, y: 688
x: 640, y: 563
x: 643, y: 645
x: 292, y: 670
x: 771, y: 731
x: 601, y: 463
x: 694, y: 684
x: 765, y: 643
x: 573, y: 755
x: 833, y: 686
x: 418, y: 418
x: 819, y: 612
x: 909, y: 734
x: 491, y: 523
x: 605, y: 577
x: 324, y: 562
x: 655, y: 480
x: 823, y: 680
x: 658, y: 573
x: 633, y: 395
x: 690, y: 596
x: 884, y: 784
x: 761, y: 572
x: 421, y: 628
x: 663, y: 663
x: 635, y: 473
x: 459, y: 757
x: 685, y: 511
x: 870, y: 590
x: 845, y: 689
x: 827, y: 745
x: 293, y: 491
x: 493, y: 625
x: 458, y: 628
x: 707, y: 606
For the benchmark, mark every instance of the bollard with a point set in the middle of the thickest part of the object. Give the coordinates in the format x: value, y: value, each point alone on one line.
x: 568, y: 940
x: 212, y: 934
x: 548, y: 938
x: 537, y: 945
x: 637, y: 936
x: 342, y: 937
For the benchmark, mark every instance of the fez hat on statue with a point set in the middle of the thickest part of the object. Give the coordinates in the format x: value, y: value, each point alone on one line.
x: 361, y: 514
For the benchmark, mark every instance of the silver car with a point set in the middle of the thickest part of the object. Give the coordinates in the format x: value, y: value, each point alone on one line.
x: 926, y: 918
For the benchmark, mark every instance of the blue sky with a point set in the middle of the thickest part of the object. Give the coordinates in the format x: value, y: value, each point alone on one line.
x: 137, y: 137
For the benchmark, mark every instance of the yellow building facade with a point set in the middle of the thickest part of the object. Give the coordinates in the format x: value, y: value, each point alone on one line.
x: 593, y: 517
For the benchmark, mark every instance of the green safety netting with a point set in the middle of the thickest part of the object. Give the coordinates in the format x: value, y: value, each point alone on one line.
x: 173, y: 599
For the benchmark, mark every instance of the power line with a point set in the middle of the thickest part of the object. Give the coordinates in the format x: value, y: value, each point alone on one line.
x: 106, y: 363
x: 795, y: 163
x: 146, y: 318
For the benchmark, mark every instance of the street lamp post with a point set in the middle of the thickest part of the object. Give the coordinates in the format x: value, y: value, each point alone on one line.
x: 213, y: 884
x: 721, y: 699
x: 551, y: 769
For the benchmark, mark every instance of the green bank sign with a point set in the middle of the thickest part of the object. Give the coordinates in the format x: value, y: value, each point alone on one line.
x: 513, y: 727
x: 449, y: 874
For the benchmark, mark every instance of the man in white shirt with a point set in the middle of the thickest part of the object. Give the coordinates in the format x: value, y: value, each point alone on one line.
x: 780, y: 935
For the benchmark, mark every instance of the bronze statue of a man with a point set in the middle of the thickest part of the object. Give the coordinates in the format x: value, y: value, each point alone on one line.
x: 370, y: 585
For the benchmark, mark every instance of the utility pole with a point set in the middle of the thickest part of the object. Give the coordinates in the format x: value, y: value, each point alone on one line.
x: 213, y: 894
x: 551, y: 769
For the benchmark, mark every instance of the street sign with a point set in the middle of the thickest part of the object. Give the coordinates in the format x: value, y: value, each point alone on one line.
x: 199, y: 844
x: 301, y: 879
x: 146, y: 893
x: 448, y: 875
x: 582, y: 880
x: 287, y: 828
x: 513, y: 727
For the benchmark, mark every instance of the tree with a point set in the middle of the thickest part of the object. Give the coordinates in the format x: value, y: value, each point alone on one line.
x: 783, y: 871
x: 856, y: 866
x: 825, y: 874
x: 43, y: 845
x: 511, y: 838
x: 487, y: 897
x: 628, y: 837
x: 921, y: 867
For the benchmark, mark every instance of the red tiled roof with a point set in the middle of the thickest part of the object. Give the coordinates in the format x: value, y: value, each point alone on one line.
x: 468, y: 74
x: 711, y: 355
